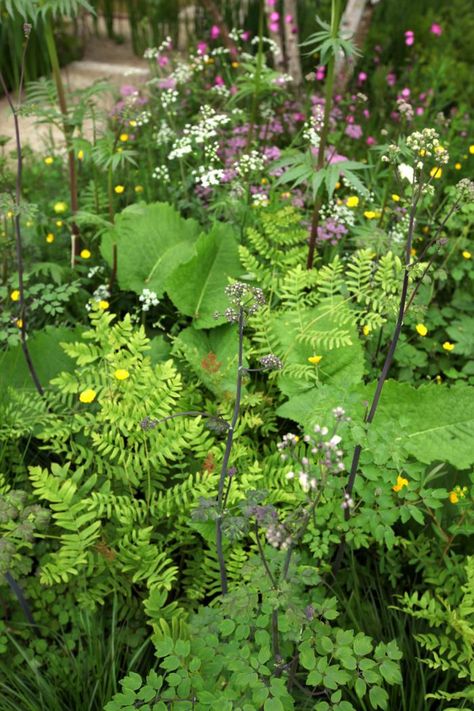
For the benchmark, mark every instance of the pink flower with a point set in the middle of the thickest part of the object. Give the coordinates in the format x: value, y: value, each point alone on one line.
x: 288, y: 19
x: 274, y: 26
x: 405, y: 93
x: 271, y: 3
x: 366, y: 113
x: 245, y: 35
x: 420, y: 111
x: 409, y: 38
x: 353, y: 131
x: 274, y: 16
x: 320, y: 73
x: 370, y: 140
x: 218, y: 81
x: 362, y: 77
x: 202, y: 48
x: 215, y: 32
x: 391, y: 79
x: 163, y: 61
x: 436, y: 29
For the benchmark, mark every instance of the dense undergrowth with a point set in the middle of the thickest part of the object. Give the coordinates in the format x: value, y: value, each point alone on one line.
x: 237, y: 387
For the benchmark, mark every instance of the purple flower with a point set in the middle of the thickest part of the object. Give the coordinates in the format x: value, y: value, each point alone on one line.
x: 353, y: 130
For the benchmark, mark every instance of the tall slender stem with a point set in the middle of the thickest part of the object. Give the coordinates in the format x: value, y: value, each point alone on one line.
x: 225, y: 462
x: 328, y: 95
x: 67, y: 131
x: 18, y: 237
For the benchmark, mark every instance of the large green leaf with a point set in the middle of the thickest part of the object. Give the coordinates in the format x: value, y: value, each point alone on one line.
x: 48, y: 358
x: 212, y: 356
x: 326, y: 330
x: 152, y: 240
x: 197, y: 287
x: 436, y: 422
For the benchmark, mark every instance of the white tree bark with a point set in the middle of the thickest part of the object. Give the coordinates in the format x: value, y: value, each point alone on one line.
x: 292, y: 50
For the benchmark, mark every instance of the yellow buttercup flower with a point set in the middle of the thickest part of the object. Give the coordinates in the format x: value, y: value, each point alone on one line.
x: 352, y: 201
x: 366, y: 330
x: 314, y: 360
x: 123, y: 137
x: 458, y: 166
x: 80, y: 155
x: 466, y: 254
x: 15, y: 295
x: 286, y: 196
x: 49, y: 160
x: 19, y: 323
x: 60, y: 207
x: 235, y: 65
x: 50, y: 238
x: 453, y: 497
x: 457, y: 493
x: 395, y: 197
x: 421, y: 329
x: 337, y: 185
x: 85, y: 254
x: 138, y: 188
x: 448, y: 346
x: 436, y: 173
x: 370, y: 214
x: 103, y: 305
x: 401, y: 482
x: 132, y: 123
x: 59, y: 223
x: 263, y: 181
x: 413, y: 252
x: 119, y: 189
x: 425, y: 230
x: 121, y: 374
x: 88, y: 395
x: 471, y: 150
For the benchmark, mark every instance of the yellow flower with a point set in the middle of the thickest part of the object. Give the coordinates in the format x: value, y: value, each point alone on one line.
x: 448, y: 346
x: 29, y: 223
x: 88, y: 395
x: 366, y: 330
x: 296, y: 438
x: 103, y: 305
x: 440, y: 149
x: 458, y: 166
x: 123, y: 137
x: 85, y: 254
x: 19, y: 323
x: 59, y: 223
x: 413, y: 252
x: 395, y: 197
x: 49, y: 160
x: 471, y: 150
x: 352, y: 201
x: 9, y: 213
x: 15, y: 295
x: 50, y: 238
x: 132, y: 123
x: 286, y: 196
x: 466, y: 254
x: 401, y: 482
x: 314, y: 360
x: 235, y: 65
x: 370, y: 214
x: 421, y: 329
x: 119, y: 189
x: 422, y: 152
x: 80, y: 154
x: 138, y: 188
x: 436, y: 172
x: 60, y: 207
x: 121, y: 374
x: 263, y: 181
x: 439, y: 379
x: 453, y: 497
x: 425, y: 230
x: 337, y: 185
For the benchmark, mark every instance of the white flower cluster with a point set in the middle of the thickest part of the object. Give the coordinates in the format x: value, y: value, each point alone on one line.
x: 161, y: 173
x: 426, y: 144
x: 208, y: 178
x: 250, y: 163
x: 339, y: 213
x: 271, y: 45
x: 183, y: 73
x: 143, y: 118
x: 201, y: 133
x: 168, y: 97
x: 153, y: 52
x: 260, y: 200
x: 148, y: 299
x: 392, y: 154
x: 102, y: 293
x: 164, y: 135
x: 221, y: 90
x: 313, y: 127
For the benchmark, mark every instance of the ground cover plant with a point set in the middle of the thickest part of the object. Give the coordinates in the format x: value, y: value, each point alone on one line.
x: 237, y: 386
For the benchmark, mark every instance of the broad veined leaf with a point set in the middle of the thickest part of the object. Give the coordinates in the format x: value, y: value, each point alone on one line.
x: 436, y: 421
x: 152, y: 240
x: 197, y: 287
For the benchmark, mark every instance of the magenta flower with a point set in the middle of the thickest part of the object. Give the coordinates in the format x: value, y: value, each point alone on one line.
x: 274, y: 27
x: 409, y: 38
x: 215, y: 32
x: 353, y: 130
x: 202, y: 48
x: 320, y: 73
x: 163, y: 61
x: 288, y: 19
x: 271, y: 3
x: 391, y: 79
x: 436, y: 29
x: 370, y: 140
x: 218, y: 81
x: 362, y: 77
x: 245, y: 35
x: 274, y: 16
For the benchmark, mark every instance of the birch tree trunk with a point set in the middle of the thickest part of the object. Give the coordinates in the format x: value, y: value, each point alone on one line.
x: 292, y: 50
x: 275, y: 35
x: 355, y: 23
